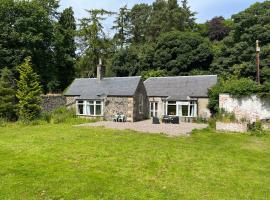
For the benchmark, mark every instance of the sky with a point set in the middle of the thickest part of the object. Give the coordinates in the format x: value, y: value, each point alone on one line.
x: 206, y: 9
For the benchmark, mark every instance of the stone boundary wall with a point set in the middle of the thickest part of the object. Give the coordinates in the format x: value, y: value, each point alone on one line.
x: 52, y: 102
x: 251, y: 108
x: 232, y: 127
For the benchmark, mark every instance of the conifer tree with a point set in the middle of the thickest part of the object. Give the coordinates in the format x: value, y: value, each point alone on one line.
x: 122, y: 26
x: 7, y: 95
x: 28, y: 92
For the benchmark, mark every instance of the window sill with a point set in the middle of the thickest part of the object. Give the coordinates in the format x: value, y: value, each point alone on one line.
x: 90, y: 115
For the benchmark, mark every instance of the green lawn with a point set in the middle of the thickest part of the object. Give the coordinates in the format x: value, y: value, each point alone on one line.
x: 63, y: 162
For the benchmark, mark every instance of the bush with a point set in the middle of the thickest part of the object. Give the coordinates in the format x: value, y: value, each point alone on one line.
x: 63, y: 115
x: 3, y: 122
x: 235, y: 87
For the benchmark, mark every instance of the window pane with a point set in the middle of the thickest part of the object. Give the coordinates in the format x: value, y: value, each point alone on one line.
x: 192, y: 111
x: 80, y: 109
x: 152, y: 106
x: 81, y: 102
x: 98, y: 102
x: 91, y: 102
x: 171, y: 110
x: 87, y: 110
x: 172, y: 102
x: 98, y: 109
x: 92, y: 110
x: 185, y: 111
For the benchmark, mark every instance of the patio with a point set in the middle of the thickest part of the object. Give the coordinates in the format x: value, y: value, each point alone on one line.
x: 147, y: 127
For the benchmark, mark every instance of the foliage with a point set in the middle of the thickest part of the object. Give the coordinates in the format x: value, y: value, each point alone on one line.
x: 7, y: 95
x: 139, y: 19
x: 217, y: 29
x: 237, y: 51
x: 122, y: 27
x: 65, y: 48
x: 235, y: 87
x: 154, y: 73
x: 28, y: 92
x: 224, y: 116
x: 63, y: 115
x: 179, y: 53
x: 94, y: 44
x: 256, y: 128
x: 27, y: 30
x: 3, y: 122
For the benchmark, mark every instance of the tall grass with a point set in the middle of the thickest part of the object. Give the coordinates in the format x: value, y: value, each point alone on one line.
x: 63, y: 115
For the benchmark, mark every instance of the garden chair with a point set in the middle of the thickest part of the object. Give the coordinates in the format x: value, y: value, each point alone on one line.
x: 115, y: 118
x: 122, y: 118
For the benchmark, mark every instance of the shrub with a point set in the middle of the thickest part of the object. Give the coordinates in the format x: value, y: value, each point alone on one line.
x: 235, y: 87
x: 3, y: 122
x: 28, y: 93
x: 62, y: 115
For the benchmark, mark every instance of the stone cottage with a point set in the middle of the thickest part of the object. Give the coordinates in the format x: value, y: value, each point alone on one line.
x: 183, y: 96
x: 106, y: 97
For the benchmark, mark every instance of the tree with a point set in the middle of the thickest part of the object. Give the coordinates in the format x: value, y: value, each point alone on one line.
x: 125, y: 62
x: 65, y: 48
x: 181, y: 52
x: 236, y: 53
x: 139, y: 19
x: 122, y: 27
x: 154, y: 73
x: 7, y: 95
x: 188, y: 21
x: 217, y: 29
x: 27, y: 30
x: 28, y: 92
x: 94, y: 43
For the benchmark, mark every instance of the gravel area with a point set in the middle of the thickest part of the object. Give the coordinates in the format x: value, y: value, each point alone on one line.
x: 148, y: 127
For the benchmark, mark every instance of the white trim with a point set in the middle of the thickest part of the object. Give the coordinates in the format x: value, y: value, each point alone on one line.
x: 87, y: 103
x: 155, y: 108
x: 183, y: 103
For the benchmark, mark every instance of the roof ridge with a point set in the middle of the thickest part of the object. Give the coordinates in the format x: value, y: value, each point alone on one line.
x: 109, y: 78
x: 170, y: 77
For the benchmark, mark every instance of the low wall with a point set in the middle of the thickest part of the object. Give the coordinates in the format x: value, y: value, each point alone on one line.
x: 52, y: 102
x: 232, y: 127
x: 251, y: 108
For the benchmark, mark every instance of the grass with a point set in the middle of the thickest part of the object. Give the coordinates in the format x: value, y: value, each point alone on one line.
x: 57, y: 161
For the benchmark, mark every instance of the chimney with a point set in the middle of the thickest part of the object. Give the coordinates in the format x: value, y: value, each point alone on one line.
x: 100, y: 70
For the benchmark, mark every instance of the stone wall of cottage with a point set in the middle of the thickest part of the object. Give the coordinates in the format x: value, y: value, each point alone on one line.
x: 203, y: 111
x: 70, y: 101
x: 118, y: 105
x: 140, y: 93
x: 52, y: 102
x: 251, y: 108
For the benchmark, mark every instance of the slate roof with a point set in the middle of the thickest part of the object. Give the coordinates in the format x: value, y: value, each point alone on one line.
x: 180, y: 87
x: 92, y: 88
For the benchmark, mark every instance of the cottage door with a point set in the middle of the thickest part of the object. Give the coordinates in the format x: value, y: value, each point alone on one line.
x: 153, y: 109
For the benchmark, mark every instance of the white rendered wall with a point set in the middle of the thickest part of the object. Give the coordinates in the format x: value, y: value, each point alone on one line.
x: 251, y: 108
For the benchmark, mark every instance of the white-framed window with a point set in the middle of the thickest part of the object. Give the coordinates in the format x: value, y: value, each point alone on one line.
x: 90, y: 108
x: 141, y: 104
x: 153, y: 109
x: 181, y: 108
x: 171, y: 108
